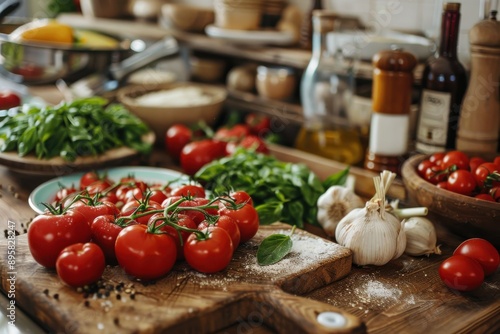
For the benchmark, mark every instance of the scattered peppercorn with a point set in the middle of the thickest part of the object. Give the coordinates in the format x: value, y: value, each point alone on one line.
x: 56, y: 296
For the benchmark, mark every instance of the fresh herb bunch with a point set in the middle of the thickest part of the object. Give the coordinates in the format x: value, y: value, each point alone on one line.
x: 281, y: 191
x: 84, y: 127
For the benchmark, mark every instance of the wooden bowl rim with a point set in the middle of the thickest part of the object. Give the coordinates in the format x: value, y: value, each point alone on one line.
x: 414, y: 182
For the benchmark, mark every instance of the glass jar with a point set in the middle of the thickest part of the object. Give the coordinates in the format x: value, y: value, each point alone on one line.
x: 326, y: 90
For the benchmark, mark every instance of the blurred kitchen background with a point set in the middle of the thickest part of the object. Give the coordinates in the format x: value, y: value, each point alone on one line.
x: 413, y: 16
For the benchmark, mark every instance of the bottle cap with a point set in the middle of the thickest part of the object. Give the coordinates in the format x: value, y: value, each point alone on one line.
x: 451, y: 6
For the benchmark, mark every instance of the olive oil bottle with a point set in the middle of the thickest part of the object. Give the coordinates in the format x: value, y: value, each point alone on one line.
x: 326, y: 90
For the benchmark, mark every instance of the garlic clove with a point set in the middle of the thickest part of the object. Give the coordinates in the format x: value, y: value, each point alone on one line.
x: 334, y: 204
x: 401, y: 241
x: 421, y: 237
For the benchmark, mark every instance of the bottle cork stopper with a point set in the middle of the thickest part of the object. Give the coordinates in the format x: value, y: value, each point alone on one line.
x: 451, y: 6
x: 392, y: 81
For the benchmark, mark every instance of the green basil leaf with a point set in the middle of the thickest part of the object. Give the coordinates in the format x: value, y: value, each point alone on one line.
x: 273, y: 249
x: 270, y: 212
x: 337, y: 179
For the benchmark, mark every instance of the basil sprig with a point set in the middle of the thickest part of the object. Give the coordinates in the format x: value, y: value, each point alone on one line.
x: 84, y: 127
x: 281, y: 191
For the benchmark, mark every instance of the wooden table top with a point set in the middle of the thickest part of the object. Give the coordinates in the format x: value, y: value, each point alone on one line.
x: 404, y: 296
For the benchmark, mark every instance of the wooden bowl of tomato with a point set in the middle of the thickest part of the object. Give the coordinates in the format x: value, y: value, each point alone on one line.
x: 458, y: 208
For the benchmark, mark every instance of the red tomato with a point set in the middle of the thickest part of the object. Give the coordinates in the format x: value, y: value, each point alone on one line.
x: 145, y: 255
x: 485, y: 197
x: 259, y: 124
x: 49, y: 234
x: 211, y: 253
x: 235, y: 133
x: 249, y: 142
x: 98, y: 187
x: 462, y: 273
x: 9, y: 99
x: 157, y: 195
x: 181, y: 220
x: 241, y: 197
x: 495, y: 193
x: 442, y: 185
x: 496, y: 161
x: 196, y: 215
x: 482, y: 251
x: 189, y: 190
x: 63, y: 193
x: 246, y: 218
x: 437, y: 158
x: 91, y: 211
x: 199, y: 153
x: 458, y: 158
x: 461, y: 182
x: 423, y: 166
x: 474, y: 162
x: 80, y: 264
x: 90, y: 177
x: 140, y: 211
x: 176, y: 137
x: 483, y: 171
x: 105, y: 230
x: 227, y: 223
x: 435, y: 174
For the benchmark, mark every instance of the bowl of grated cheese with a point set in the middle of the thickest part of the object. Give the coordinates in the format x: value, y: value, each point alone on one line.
x: 163, y: 105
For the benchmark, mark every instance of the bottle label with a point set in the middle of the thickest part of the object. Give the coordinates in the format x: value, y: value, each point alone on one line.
x: 389, y: 134
x: 433, y: 125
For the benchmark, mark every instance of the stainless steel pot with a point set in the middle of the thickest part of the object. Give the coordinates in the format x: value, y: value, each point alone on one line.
x: 37, y: 63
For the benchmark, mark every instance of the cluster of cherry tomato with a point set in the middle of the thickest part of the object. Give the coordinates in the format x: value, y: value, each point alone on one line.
x: 143, y: 228
x: 456, y: 172
x: 471, y: 261
x: 194, y: 150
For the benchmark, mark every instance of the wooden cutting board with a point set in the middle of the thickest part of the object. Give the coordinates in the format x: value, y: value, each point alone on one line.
x: 245, y: 295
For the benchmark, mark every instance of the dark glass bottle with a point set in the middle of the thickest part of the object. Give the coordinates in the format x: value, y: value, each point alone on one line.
x: 444, y: 82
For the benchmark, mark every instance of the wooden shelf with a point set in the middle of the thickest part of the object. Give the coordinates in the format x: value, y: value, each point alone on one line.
x: 285, y: 56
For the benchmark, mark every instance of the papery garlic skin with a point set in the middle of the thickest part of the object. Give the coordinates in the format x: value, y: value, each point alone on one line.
x: 373, y: 235
x: 372, y: 241
x: 334, y: 204
x: 421, y: 237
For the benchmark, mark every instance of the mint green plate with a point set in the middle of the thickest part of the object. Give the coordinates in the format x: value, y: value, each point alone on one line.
x: 46, y: 192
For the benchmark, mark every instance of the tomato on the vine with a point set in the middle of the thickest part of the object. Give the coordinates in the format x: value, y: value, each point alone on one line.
x: 63, y: 193
x: 180, y: 220
x: 90, y: 177
x: 80, y: 264
x: 475, y: 162
x: 461, y: 182
x: 49, y: 234
x: 91, y: 210
x: 423, y: 166
x: 189, y: 190
x: 485, y: 197
x: 435, y: 174
x: 235, y: 133
x: 482, y: 251
x: 437, y: 158
x: 138, y: 210
x: 209, y: 254
x: 462, y: 273
x: 227, y: 223
x: 145, y: 254
x: 241, y: 197
x: 105, y: 230
x: 457, y: 158
x: 247, y: 219
x: 483, y: 171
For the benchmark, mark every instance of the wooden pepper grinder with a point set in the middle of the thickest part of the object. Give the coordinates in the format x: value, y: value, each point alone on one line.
x: 391, y: 100
x: 479, y: 123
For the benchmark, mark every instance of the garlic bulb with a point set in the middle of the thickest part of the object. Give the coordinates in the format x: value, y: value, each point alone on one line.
x: 421, y: 237
x: 334, y: 204
x: 373, y: 235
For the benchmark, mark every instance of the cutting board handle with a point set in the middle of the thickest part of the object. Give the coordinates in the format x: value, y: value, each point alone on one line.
x: 294, y: 314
